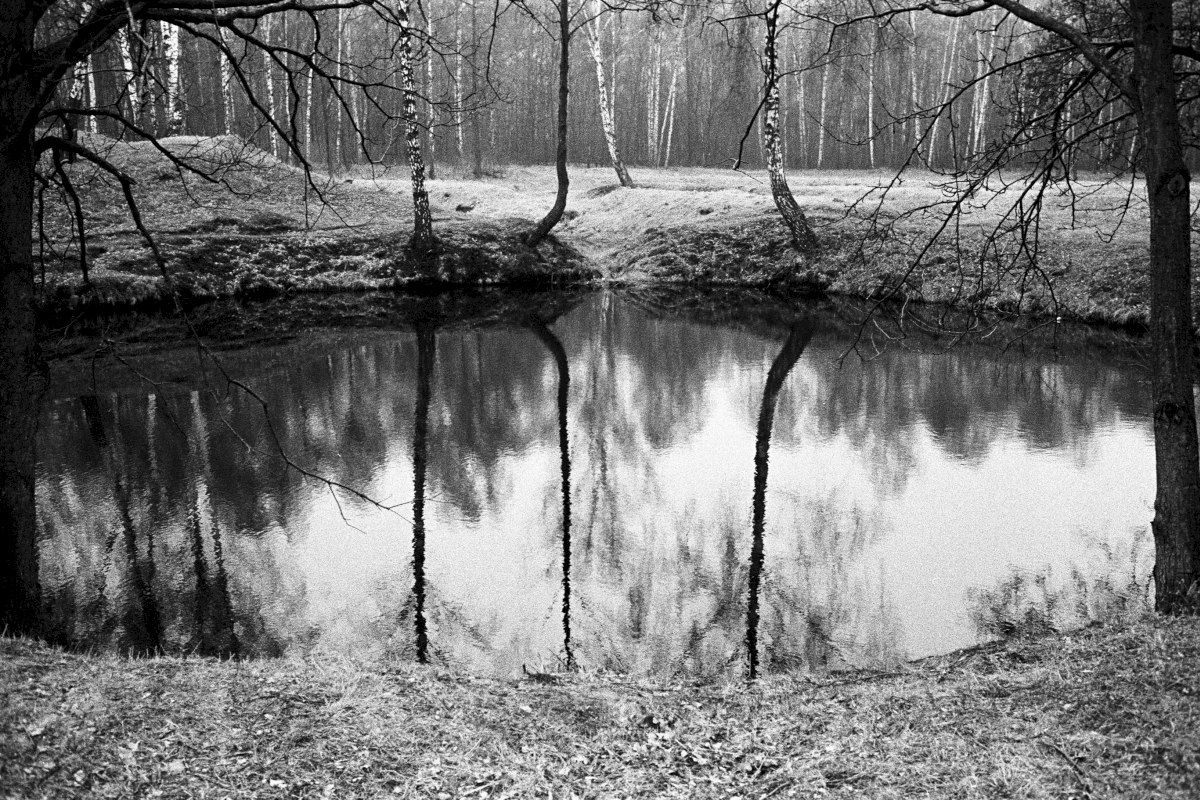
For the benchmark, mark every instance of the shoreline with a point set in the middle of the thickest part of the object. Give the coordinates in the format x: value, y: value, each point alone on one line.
x: 690, y: 227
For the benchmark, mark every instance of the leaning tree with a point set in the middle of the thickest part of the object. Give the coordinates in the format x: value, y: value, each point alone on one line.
x: 49, y: 74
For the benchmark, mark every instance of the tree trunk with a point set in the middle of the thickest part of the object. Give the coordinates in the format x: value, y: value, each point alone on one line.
x: 422, y: 238
x: 432, y: 117
x: 607, y: 121
x: 476, y: 119
x: 19, y: 592
x: 802, y: 236
x: 789, y: 354
x: 1177, y: 499
x: 535, y: 237
x: 554, y: 345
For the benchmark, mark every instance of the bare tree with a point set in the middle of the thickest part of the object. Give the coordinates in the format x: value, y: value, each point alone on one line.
x: 41, y: 44
x: 595, y: 29
x: 1134, y: 63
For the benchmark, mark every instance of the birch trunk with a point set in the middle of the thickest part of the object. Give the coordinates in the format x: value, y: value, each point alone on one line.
x: 432, y: 109
x: 947, y: 71
x: 268, y: 29
x: 174, y: 104
x: 458, y: 87
x: 653, y: 107
x: 422, y: 239
x: 535, y: 237
x: 336, y: 161
x: 871, y: 94
x: 227, y: 108
x: 803, y: 238
x: 821, y: 116
x: 607, y: 120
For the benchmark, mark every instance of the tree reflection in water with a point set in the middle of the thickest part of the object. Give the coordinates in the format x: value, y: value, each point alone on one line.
x: 559, y: 354
x: 798, y: 337
x: 426, y: 353
x: 630, y: 552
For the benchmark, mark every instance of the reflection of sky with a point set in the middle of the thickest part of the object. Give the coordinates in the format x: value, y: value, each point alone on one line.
x: 887, y: 541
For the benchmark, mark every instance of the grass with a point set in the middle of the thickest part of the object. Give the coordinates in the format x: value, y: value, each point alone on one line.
x: 1102, y: 712
x: 263, y: 231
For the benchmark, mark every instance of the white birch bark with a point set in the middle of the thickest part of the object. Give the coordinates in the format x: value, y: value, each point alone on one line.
x: 821, y: 122
x: 336, y: 162
x: 608, y: 122
x: 431, y: 119
x: 268, y: 76
x: 174, y: 103
x: 422, y: 239
x: 458, y: 87
x: 947, y: 70
x: 653, y: 107
x: 802, y: 236
x: 871, y: 94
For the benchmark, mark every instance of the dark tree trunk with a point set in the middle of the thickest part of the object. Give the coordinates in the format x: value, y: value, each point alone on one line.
x: 535, y: 237
x: 19, y: 594
x: 426, y: 353
x: 554, y: 345
x: 788, y: 355
x: 1177, y: 498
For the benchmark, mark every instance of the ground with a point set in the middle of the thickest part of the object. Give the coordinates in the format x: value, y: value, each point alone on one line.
x: 276, y: 233
x: 1102, y: 712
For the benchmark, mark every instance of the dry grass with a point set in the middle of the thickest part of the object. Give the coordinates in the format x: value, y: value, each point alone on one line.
x: 264, y: 230
x: 1105, y: 712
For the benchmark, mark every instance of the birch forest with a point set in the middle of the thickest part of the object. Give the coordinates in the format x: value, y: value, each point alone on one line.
x: 673, y: 84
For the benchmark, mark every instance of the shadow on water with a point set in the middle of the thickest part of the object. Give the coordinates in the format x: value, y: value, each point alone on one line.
x: 169, y: 523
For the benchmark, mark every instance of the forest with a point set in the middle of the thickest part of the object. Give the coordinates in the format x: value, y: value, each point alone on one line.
x: 680, y: 83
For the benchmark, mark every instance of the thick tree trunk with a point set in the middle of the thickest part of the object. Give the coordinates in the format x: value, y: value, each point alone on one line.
x: 19, y: 594
x: 802, y: 236
x: 1177, y: 499
x: 607, y: 120
x: 535, y: 237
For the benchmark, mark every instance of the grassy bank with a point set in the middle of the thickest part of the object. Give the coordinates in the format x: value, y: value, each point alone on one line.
x: 263, y: 230
x: 1103, y: 712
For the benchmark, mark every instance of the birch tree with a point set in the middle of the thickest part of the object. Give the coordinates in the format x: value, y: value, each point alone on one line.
x: 593, y: 28
x: 803, y: 238
x: 41, y: 44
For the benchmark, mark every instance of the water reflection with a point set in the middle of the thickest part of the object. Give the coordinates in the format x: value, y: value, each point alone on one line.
x: 571, y: 480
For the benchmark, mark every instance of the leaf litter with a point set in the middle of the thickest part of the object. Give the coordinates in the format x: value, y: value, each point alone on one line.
x: 1103, y: 712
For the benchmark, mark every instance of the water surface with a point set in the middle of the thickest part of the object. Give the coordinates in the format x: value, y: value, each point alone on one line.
x: 606, y: 480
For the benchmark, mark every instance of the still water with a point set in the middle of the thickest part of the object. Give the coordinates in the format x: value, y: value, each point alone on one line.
x: 646, y: 484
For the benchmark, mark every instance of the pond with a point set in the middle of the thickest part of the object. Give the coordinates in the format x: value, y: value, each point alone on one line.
x: 688, y: 484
